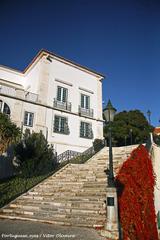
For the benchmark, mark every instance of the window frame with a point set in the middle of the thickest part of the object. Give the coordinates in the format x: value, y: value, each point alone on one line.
x: 62, y: 94
x: 60, y: 128
x: 27, y: 123
x: 84, y: 105
x: 87, y: 132
x: 3, y: 106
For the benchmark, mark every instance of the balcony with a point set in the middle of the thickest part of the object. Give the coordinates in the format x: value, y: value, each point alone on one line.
x: 62, y: 105
x: 86, y: 112
x: 31, y: 97
x: 18, y: 93
x: 7, y: 90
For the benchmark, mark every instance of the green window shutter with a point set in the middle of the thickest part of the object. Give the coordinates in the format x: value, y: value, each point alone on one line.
x: 82, y: 129
x: 87, y: 130
x: 62, y: 124
x: 64, y: 96
x: 56, y: 123
x: 59, y: 89
x: 87, y: 102
x: 82, y: 100
x: 31, y: 116
x: 90, y: 132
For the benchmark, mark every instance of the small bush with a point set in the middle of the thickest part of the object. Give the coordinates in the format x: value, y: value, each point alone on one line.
x: 34, y: 156
x: 98, y: 144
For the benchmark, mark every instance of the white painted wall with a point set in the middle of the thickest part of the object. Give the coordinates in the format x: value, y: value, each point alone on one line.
x: 32, y: 78
x: 78, y: 79
x: 11, y: 75
x: 41, y: 79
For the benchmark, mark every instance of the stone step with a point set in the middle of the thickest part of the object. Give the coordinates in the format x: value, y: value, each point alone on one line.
x: 66, y: 198
x: 62, y: 188
x: 64, y: 191
x: 89, y: 222
x: 60, y: 203
x: 52, y: 210
x: 82, y: 192
x: 75, y: 195
x: 71, y: 184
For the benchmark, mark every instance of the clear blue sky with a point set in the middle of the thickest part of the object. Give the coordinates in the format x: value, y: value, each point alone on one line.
x: 118, y: 38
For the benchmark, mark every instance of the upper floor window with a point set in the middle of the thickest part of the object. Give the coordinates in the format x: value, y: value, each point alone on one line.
x: 28, y: 119
x: 4, y: 108
x: 61, y: 125
x: 86, y: 130
x: 62, y: 94
x: 85, y: 101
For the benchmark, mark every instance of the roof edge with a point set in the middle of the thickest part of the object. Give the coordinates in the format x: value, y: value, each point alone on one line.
x: 44, y: 52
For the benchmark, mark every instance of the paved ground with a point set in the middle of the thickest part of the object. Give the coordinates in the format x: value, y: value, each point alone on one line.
x: 25, y: 230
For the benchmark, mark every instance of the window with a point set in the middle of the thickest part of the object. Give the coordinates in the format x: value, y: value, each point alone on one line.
x: 4, y: 108
x: 86, y: 130
x: 61, y: 125
x: 28, y: 119
x: 62, y: 94
x: 85, y: 101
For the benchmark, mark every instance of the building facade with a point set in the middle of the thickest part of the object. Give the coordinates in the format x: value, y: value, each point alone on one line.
x: 56, y: 96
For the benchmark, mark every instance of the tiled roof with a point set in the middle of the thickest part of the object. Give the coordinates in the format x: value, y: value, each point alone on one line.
x: 157, y: 130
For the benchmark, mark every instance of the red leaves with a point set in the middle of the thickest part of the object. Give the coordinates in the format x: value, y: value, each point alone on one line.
x: 135, y: 182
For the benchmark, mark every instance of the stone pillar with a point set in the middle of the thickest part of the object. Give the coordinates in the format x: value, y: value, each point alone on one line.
x: 43, y: 96
x: 43, y: 81
x: 111, y: 230
x: 17, y: 112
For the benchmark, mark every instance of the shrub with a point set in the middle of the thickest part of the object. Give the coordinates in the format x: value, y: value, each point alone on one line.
x: 98, y: 144
x: 9, y: 132
x: 135, y: 182
x: 33, y: 155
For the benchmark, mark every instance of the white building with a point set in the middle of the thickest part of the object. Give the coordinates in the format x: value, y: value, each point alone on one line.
x: 57, y: 96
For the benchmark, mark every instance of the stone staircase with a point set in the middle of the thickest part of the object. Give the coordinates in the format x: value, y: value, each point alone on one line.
x: 75, y: 195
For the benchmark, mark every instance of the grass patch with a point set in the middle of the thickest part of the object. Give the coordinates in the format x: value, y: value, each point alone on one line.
x: 15, y: 186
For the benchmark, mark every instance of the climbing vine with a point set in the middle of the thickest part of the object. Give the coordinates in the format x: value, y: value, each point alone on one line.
x: 135, y: 182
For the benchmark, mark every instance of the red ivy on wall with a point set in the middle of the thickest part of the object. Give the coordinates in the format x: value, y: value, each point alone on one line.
x: 135, y: 182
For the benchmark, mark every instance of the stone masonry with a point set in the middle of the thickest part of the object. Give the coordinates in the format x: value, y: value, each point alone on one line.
x: 75, y: 195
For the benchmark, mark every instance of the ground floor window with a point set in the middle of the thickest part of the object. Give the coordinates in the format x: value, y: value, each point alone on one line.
x: 28, y: 119
x: 4, y: 108
x: 86, y: 130
x: 61, y: 125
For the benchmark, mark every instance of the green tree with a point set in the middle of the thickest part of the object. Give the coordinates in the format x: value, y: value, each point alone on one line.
x: 33, y: 154
x: 129, y: 127
x: 9, y: 132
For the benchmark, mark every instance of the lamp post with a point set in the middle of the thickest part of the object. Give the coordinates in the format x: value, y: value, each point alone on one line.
x: 112, y: 225
x: 109, y: 112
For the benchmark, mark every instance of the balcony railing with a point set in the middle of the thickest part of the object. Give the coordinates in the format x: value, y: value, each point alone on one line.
x: 62, y: 105
x: 31, y: 97
x: 7, y: 90
x: 11, y: 91
x: 86, y: 112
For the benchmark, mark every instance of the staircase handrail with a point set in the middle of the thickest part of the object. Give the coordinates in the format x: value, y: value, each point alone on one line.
x: 69, y: 155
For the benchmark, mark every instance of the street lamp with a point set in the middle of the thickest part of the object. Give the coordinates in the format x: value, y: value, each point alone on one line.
x: 111, y: 229
x: 109, y: 113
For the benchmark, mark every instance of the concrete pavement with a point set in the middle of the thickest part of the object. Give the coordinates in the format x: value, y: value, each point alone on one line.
x: 25, y: 230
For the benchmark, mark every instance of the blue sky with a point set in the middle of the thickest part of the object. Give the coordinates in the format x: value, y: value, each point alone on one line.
x: 118, y: 38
